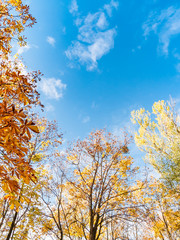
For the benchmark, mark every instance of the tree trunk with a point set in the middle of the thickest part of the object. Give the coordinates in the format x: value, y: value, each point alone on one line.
x: 92, y: 235
x: 12, y: 226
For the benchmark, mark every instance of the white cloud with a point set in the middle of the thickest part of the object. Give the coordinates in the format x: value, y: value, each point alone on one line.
x: 109, y: 7
x: 93, y: 24
x: 51, y: 41
x: 102, y: 22
x: 49, y: 108
x: 23, y: 49
x: 52, y: 88
x: 94, y: 39
x: 78, y: 21
x: 86, y: 119
x: 89, y: 54
x: 73, y: 7
x: 64, y: 30
x: 165, y: 25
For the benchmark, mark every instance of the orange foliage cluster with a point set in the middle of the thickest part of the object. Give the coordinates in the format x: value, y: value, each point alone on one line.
x: 18, y: 95
x: 14, y: 17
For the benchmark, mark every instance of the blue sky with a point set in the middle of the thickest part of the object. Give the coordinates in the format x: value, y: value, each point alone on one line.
x: 103, y: 59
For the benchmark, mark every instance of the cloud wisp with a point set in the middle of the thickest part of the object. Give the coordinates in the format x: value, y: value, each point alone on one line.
x: 23, y: 49
x: 73, y: 7
x: 165, y: 25
x: 49, y: 107
x: 95, y: 38
x: 51, y: 41
x: 109, y: 7
x: 52, y: 88
x: 86, y: 119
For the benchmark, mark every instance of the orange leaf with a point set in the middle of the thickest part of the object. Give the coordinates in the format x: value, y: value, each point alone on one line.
x: 34, y: 128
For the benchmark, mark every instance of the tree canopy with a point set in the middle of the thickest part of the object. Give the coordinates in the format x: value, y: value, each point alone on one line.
x: 18, y: 95
x: 91, y: 189
x: 159, y: 137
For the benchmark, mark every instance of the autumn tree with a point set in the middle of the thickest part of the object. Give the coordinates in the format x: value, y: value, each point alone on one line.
x: 21, y: 216
x: 159, y: 137
x: 55, y: 213
x: 18, y: 95
x: 97, y: 190
x: 162, y: 220
x: 14, y: 18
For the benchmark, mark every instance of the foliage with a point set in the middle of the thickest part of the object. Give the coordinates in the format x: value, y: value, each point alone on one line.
x: 95, y: 188
x: 21, y: 216
x: 159, y: 138
x: 14, y: 18
x: 163, y: 217
x: 90, y: 191
x: 18, y: 96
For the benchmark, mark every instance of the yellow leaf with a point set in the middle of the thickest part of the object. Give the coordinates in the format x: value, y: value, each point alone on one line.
x: 12, y: 206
